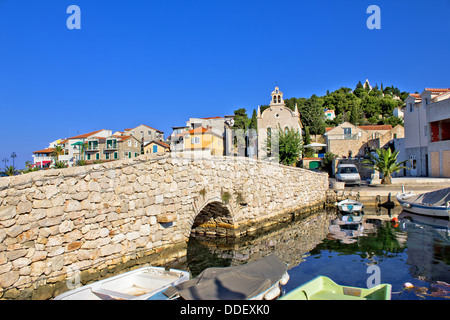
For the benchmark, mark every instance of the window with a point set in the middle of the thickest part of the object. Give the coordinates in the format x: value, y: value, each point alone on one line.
x: 279, y: 99
x: 97, y: 156
x: 107, y: 156
x: 116, y: 155
x: 155, y: 149
x: 88, y: 156
x: 347, y: 130
x: 135, y: 154
x: 129, y: 143
x: 135, y: 143
x: 425, y: 130
x: 195, y: 140
x: 286, y: 130
x: 411, y: 108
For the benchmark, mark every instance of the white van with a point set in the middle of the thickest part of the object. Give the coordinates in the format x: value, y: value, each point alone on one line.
x: 348, y: 173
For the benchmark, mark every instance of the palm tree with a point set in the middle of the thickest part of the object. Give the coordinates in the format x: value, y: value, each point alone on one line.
x: 385, y: 162
x: 10, y: 170
x: 57, y: 151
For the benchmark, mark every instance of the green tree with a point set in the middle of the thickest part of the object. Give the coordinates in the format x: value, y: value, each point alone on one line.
x: 253, y: 121
x: 289, y: 146
x: 385, y: 162
x: 307, y: 152
x: 57, y: 151
x: 241, y: 120
x: 356, y: 114
x: 312, y: 115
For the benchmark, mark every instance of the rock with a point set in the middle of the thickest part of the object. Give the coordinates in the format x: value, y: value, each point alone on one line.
x: 7, y: 213
x: 72, y: 205
x: 24, y: 207
x: 166, y: 217
x: 8, y: 279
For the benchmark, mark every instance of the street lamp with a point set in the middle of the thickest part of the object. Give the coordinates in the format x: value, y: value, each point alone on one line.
x: 13, y: 155
x: 5, y: 160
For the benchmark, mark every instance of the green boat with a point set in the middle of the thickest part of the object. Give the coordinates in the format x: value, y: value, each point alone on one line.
x: 323, y: 288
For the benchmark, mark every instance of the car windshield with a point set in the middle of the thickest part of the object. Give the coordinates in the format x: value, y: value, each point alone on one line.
x: 347, y: 170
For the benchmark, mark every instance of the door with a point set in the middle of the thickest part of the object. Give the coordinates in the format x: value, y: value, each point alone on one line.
x: 435, y: 164
x: 413, y: 162
x: 446, y: 164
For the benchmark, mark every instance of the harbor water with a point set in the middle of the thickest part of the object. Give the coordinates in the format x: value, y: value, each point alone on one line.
x: 353, y: 252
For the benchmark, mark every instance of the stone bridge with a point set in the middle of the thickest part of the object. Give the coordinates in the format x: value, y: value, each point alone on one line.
x: 97, y: 216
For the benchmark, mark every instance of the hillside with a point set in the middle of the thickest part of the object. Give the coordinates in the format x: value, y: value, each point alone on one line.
x: 363, y: 105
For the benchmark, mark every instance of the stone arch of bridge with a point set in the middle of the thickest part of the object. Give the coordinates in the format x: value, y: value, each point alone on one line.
x: 213, y: 217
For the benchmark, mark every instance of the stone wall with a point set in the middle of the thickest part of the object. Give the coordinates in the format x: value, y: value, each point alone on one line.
x: 98, y: 216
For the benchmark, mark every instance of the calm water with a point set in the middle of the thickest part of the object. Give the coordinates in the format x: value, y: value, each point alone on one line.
x: 415, y: 250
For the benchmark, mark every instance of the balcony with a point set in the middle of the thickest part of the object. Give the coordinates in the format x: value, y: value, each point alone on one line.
x: 342, y: 137
x: 111, y: 146
x: 92, y: 148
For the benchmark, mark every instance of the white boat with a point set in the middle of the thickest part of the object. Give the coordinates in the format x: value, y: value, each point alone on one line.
x: 257, y: 280
x: 434, y: 203
x: 139, y: 284
x: 350, y: 206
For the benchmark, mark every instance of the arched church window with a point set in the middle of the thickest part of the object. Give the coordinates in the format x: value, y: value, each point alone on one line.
x: 279, y: 99
x: 275, y: 99
x: 286, y: 129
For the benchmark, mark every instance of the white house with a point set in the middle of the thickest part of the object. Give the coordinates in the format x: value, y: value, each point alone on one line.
x: 73, y: 145
x: 417, y: 130
x: 329, y: 114
x: 438, y: 124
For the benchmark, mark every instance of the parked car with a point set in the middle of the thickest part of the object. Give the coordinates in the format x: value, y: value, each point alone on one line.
x: 348, y: 173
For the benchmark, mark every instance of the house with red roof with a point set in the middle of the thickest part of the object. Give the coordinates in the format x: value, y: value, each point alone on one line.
x: 348, y: 140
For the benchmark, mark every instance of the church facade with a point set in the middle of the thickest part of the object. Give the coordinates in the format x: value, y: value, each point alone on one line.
x: 275, y: 116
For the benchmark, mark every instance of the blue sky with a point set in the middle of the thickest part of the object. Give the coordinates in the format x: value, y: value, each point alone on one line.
x: 161, y: 62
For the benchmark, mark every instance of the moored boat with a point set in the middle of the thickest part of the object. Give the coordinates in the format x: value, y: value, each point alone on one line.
x: 142, y: 283
x: 323, y: 288
x: 434, y: 203
x: 257, y: 280
x: 350, y: 206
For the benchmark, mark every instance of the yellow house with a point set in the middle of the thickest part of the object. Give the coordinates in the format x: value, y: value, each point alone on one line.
x: 203, y: 139
x: 156, y: 147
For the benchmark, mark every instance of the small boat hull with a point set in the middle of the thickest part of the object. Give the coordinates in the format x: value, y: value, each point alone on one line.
x: 323, y: 288
x: 420, y: 208
x: 142, y: 283
x: 350, y: 206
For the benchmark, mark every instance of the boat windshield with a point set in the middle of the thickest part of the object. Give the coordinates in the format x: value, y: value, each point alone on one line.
x: 347, y: 170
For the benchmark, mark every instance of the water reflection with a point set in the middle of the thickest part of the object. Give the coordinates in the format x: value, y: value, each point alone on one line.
x: 416, y: 250
x: 428, y: 245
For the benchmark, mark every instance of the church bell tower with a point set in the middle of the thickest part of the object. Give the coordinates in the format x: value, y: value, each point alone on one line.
x: 277, y: 98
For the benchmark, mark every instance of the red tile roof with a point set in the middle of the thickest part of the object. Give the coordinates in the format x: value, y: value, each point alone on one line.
x: 440, y: 90
x: 376, y: 127
x: 165, y: 145
x: 212, y: 118
x: 48, y: 150
x: 415, y: 95
x: 81, y: 136
x: 197, y: 130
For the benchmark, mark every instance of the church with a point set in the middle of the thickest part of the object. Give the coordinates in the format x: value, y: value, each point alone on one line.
x: 275, y: 116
